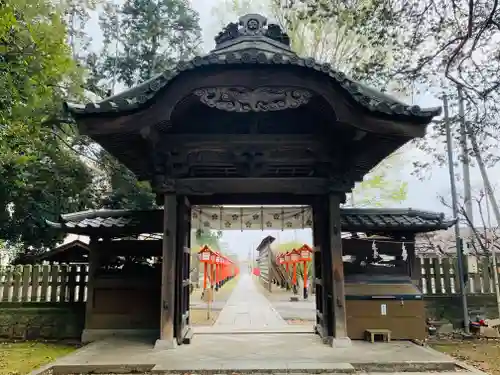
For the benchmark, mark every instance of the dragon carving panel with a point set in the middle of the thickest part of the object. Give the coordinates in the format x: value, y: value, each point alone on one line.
x: 262, y: 99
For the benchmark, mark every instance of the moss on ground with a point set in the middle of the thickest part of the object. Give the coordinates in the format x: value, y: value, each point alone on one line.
x: 20, y: 358
x: 482, y: 354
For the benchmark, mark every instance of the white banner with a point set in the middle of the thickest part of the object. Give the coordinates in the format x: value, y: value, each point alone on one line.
x: 251, y: 218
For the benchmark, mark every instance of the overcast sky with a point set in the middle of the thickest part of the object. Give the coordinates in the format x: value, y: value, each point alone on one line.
x: 421, y: 194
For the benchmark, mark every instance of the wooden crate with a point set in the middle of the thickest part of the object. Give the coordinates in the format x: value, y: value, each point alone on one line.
x: 396, y: 307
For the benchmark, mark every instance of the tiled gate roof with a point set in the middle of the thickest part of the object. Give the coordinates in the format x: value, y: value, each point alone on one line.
x: 127, y: 222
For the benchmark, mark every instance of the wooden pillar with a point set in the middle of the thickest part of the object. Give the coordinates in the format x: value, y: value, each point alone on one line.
x: 94, y: 264
x: 413, y: 264
x: 340, y: 338
x: 167, y: 335
x: 323, y: 265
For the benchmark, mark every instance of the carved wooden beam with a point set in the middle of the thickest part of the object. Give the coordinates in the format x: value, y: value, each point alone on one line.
x: 242, y: 141
x: 252, y: 199
x: 209, y: 186
x: 255, y: 150
x: 246, y: 99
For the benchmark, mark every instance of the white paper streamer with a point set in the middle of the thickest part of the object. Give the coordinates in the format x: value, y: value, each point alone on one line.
x: 404, y: 252
x: 375, y: 250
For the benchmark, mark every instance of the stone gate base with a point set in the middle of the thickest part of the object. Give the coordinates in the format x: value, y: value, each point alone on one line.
x: 251, y: 353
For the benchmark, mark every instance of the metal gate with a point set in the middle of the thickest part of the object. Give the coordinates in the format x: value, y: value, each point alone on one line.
x: 182, y: 328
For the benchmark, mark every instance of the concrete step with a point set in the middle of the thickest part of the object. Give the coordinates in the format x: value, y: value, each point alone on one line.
x: 315, y: 373
x: 294, y: 373
x: 318, y: 368
x: 221, y: 330
x: 231, y: 368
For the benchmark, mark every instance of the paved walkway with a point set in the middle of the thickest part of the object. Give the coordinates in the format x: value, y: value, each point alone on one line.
x: 250, y: 352
x: 254, y: 353
x: 248, y: 309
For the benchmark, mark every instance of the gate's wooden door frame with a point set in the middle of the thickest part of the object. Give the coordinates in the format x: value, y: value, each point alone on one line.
x: 182, y: 329
x: 323, y: 262
x: 322, y: 271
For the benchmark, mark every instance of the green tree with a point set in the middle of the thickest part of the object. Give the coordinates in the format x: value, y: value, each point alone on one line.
x: 381, y: 186
x: 76, y: 18
x: 352, y: 41
x: 146, y: 37
x: 125, y: 192
x: 209, y: 237
x: 442, y: 44
x: 287, y: 246
x: 40, y: 175
x: 76, y: 15
x: 142, y: 38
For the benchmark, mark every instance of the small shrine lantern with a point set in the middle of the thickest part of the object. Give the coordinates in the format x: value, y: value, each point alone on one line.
x: 281, y: 259
x: 305, y: 257
x: 294, y: 260
x: 305, y: 253
x: 295, y: 256
x: 205, y: 254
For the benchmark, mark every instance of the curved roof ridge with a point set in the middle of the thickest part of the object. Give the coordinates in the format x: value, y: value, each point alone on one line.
x: 247, y: 45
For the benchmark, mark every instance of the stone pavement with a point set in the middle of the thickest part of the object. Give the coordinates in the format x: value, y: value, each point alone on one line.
x: 305, y: 310
x: 248, y: 309
x: 258, y: 340
x: 252, y: 353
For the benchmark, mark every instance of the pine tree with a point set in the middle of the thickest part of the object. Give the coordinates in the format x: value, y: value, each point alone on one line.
x: 141, y: 38
x: 146, y: 37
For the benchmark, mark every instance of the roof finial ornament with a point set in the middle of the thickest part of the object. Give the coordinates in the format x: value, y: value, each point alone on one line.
x: 251, y: 25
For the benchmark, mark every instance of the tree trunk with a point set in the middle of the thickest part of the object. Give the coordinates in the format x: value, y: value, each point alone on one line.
x: 491, y: 197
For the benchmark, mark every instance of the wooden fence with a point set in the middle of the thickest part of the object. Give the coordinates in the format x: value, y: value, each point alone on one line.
x: 43, y: 283
x: 65, y: 283
x: 440, y: 275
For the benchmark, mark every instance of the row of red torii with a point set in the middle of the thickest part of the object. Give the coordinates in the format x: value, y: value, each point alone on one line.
x: 217, y: 268
x: 293, y: 258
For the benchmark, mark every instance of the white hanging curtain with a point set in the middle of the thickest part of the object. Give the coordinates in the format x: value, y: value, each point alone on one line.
x: 251, y: 218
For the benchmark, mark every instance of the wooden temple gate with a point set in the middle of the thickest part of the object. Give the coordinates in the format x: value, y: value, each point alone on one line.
x: 251, y: 123
x: 123, y: 297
